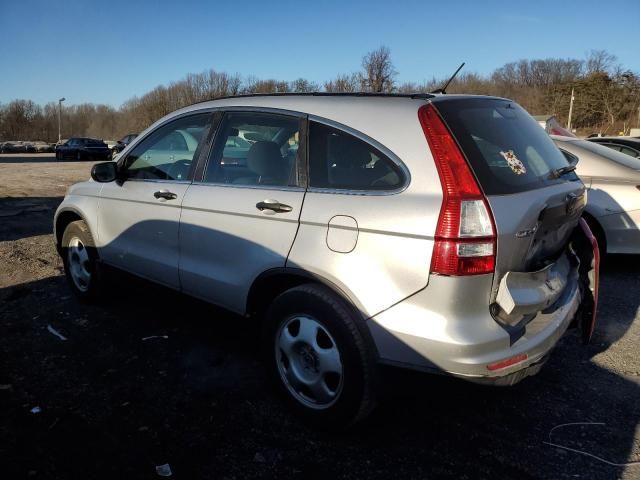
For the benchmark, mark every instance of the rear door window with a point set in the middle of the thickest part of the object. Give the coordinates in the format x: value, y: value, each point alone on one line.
x: 507, y: 149
x: 338, y: 160
x: 255, y: 148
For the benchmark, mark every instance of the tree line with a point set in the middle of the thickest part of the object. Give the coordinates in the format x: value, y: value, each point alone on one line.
x: 607, y: 96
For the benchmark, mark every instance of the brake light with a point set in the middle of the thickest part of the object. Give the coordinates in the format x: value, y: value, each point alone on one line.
x: 465, y: 239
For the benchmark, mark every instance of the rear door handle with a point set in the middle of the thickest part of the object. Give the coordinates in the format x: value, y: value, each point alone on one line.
x: 273, y: 205
x: 165, y: 194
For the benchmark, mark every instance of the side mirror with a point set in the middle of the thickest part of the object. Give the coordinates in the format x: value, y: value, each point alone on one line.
x: 104, y: 172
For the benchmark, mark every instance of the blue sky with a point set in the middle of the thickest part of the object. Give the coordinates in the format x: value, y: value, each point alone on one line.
x: 108, y: 51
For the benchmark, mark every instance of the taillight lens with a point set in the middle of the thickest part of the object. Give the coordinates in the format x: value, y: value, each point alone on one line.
x: 465, y: 239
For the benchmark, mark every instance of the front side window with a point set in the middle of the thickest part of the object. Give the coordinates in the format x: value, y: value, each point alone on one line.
x: 167, y: 154
x: 338, y: 160
x: 255, y: 148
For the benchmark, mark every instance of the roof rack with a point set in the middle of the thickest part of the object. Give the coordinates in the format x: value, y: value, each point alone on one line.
x: 325, y: 94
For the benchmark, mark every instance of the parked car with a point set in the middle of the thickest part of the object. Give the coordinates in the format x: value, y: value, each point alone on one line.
x: 626, y: 145
x: 552, y: 126
x: 438, y: 232
x: 42, y: 147
x: 83, y: 149
x: 112, y: 145
x: 14, y: 147
x: 613, y: 180
x: 124, y: 141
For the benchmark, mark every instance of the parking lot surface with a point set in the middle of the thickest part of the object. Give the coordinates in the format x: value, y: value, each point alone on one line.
x: 114, y: 403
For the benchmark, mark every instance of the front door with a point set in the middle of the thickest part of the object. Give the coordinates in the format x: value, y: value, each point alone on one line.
x: 139, y: 217
x: 242, y: 217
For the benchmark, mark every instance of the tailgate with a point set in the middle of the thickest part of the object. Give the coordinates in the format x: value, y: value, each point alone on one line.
x: 535, y: 208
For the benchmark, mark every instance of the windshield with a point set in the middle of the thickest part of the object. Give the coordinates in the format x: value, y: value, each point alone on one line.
x: 505, y: 146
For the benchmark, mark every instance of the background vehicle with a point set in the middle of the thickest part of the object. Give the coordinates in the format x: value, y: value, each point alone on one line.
x: 123, y: 142
x: 434, y: 234
x: 626, y: 145
x: 552, y: 126
x: 112, y: 145
x: 42, y: 147
x: 83, y: 149
x: 14, y: 147
x: 613, y: 180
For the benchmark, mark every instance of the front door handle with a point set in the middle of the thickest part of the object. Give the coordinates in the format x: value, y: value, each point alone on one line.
x: 273, y: 205
x: 165, y: 194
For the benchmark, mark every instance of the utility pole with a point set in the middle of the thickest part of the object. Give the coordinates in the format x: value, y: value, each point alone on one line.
x: 570, y: 110
x: 60, y: 118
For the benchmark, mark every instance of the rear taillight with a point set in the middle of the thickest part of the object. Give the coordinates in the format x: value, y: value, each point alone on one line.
x: 465, y: 240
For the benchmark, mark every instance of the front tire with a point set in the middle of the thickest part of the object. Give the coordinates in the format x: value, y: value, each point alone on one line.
x: 80, y: 260
x: 318, y: 357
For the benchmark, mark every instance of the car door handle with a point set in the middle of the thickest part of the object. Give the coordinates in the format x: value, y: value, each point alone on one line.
x: 165, y: 194
x: 273, y: 205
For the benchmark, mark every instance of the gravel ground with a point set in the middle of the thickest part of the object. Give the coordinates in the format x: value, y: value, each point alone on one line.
x: 113, y: 405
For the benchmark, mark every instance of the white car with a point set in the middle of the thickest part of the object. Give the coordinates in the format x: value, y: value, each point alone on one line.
x: 613, y: 206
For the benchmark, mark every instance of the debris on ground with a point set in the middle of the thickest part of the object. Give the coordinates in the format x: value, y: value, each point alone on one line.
x: 36, y: 410
x: 582, y: 452
x: 56, y: 333
x: 163, y: 470
x: 144, y: 339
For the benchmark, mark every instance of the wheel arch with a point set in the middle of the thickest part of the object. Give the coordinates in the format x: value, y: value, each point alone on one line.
x: 271, y: 283
x: 64, y: 218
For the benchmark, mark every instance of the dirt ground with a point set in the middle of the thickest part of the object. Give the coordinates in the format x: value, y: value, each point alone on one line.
x: 112, y: 405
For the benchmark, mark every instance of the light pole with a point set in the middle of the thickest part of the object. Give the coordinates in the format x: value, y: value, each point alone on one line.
x: 570, y: 109
x: 60, y: 118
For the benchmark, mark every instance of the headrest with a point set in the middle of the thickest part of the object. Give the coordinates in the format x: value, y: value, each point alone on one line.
x: 264, y: 159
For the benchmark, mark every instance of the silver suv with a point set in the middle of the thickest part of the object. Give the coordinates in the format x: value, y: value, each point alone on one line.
x: 434, y: 232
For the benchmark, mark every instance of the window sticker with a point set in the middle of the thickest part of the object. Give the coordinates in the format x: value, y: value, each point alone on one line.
x: 514, y: 163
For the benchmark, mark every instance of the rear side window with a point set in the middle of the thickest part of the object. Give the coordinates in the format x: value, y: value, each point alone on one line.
x: 507, y: 149
x: 338, y: 160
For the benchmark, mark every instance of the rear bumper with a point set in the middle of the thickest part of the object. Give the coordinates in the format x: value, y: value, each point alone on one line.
x: 447, y: 327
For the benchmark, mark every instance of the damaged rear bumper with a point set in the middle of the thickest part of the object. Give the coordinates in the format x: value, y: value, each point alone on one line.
x: 448, y: 327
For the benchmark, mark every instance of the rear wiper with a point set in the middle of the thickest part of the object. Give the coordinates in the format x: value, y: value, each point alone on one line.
x: 558, y: 172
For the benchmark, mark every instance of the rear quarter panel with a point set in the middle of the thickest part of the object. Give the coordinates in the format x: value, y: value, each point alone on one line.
x: 391, y: 258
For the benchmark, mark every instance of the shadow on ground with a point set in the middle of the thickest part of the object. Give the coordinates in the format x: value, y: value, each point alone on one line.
x: 115, y: 405
x: 22, y: 217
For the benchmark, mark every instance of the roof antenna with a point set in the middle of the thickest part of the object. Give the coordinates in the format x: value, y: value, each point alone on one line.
x: 444, y: 88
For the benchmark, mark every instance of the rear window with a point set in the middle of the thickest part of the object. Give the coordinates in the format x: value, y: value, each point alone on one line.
x: 507, y: 149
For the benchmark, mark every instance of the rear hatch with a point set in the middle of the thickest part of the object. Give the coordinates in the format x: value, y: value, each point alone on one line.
x: 535, y: 207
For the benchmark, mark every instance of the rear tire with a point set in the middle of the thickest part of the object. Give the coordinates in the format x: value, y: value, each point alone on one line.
x: 318, y: 358
x: 80, y: 259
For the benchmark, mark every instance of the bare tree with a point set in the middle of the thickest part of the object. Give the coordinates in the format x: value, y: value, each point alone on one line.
x: 600, y: 61
x: 379, y: 71
x: 302, y: 85
x: 343, y: 84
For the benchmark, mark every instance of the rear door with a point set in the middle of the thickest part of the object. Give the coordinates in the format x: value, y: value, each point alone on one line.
x: 241, y: 218
x: 516, y: 164
x: 139, y: 217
